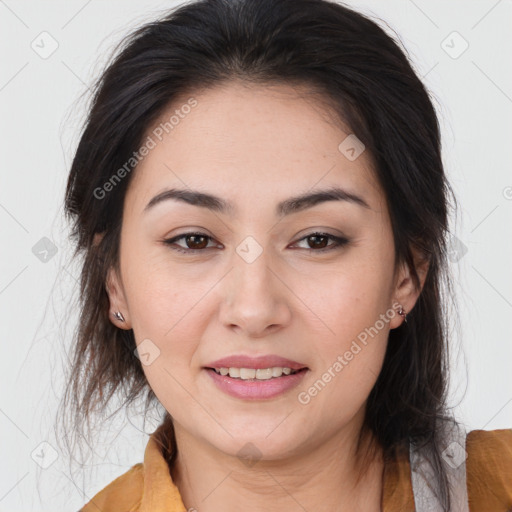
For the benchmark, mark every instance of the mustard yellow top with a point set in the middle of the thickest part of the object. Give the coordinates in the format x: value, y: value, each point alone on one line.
x: 148, y: 486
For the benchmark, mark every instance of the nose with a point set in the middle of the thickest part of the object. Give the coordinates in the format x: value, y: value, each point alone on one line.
x: 255, y: 297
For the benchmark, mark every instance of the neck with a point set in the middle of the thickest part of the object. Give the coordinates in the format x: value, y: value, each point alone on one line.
x: 330, y: 477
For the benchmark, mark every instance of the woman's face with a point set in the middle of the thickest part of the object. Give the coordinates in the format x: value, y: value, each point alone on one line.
x: 254, y: 281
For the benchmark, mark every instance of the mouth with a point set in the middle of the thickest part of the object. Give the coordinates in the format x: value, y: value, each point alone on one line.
x: 256, y: 383
x: 250, y: 377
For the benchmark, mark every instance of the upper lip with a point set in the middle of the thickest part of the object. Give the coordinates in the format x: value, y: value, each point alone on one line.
x: 266, y: 361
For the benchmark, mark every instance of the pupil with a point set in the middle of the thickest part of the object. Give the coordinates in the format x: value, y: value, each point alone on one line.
x: 193, y: 237
x: 316, y: 237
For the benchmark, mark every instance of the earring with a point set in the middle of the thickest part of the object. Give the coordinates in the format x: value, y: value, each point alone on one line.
x: 402, y: 313
x: 118, y: 315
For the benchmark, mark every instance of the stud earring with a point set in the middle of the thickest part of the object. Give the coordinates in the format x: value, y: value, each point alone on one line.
x: 402, y: 313
x: 118, y: 315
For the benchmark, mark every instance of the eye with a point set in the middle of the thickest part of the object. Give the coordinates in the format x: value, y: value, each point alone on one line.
x: 194, y: 242
x: 197, y: 242
x: 319, y: 240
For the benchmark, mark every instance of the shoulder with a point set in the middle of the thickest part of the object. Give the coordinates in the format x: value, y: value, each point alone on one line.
x: 489, y: 450
x: 489, y: 469
x: 122, y: 494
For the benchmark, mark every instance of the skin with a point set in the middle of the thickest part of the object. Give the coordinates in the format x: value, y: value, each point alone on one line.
x: 256, y: 146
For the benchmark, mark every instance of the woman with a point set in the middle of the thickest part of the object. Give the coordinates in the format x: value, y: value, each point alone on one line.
x: 262, y: 207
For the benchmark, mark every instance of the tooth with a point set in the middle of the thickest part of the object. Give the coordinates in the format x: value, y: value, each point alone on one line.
x: 234, y: 372
x: 252, y: 373
x: 247, y: 373
x: 264, y: 373
x: 277, y: 371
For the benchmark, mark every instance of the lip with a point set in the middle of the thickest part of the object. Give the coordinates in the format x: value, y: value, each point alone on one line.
x: 256, y: 389
x: 265, y: 361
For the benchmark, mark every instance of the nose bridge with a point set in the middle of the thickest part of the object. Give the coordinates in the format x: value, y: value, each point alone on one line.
x: 254, y: 299
x: 252, y: 267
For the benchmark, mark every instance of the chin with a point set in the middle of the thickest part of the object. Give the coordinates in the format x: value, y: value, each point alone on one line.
x: 253, y: 448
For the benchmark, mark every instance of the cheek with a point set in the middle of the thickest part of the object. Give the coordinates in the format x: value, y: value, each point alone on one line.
x: 168, y: 313
x: 166, y: 308
x: 347, y: 299
x: 159, y: 294
x: 352, y: 320
x: 349, y: 356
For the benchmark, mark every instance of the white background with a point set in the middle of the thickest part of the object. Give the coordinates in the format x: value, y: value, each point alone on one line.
x: 40, y: 117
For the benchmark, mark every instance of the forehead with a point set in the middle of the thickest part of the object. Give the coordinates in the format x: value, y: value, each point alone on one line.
x: 250, y: 142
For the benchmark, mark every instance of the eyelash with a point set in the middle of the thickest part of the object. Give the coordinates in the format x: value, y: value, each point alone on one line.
x: 339, y: 242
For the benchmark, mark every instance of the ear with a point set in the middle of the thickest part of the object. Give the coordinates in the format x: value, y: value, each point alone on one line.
x: 115, y: 292
x: 117, y: 299
x: 405, y: 293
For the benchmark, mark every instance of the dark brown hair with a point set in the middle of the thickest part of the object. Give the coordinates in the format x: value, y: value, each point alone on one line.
x: 371, y: 85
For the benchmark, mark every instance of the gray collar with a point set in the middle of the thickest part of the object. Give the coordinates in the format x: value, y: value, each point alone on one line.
x: 453, y: 458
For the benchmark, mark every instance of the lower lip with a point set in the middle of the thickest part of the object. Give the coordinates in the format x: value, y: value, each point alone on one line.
x: 256, y: 389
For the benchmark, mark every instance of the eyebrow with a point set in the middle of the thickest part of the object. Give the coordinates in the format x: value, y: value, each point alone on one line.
x: 286, y: 207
